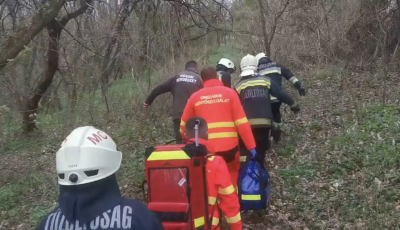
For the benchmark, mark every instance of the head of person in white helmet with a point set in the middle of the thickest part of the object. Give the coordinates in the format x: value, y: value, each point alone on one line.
x: 226, y: 65
x: 248, y: 66
x: 90, y: 197
x: 262, y: 58
x: 225, y: 68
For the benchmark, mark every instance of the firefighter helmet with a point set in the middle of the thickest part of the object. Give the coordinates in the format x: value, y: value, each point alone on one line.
x: 228, y: 64
x: 260, y: 55
x: 85, y: 156
x: 248, y: 65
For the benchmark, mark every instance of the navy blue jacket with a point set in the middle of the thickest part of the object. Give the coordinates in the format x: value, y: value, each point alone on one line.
x: 225, y: 77
x: 275, y: 71
x: 99, y: 205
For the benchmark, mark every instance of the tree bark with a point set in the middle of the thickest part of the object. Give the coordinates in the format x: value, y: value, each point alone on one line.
x: 54, y: 29
x: 144, y: 40
x: 264, y: 28
x: 28, y: 29
x: 127, y: 7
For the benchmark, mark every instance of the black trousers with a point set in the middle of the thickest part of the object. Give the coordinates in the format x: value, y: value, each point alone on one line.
x: 276, y: 111
x: 261, y: 136
x: 177, y: 127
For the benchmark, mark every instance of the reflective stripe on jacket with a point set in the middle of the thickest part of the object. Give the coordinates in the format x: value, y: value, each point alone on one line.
x: 276, y: 71
x: 221, y: 108
x: 254, y: 93
x: 221, y: 194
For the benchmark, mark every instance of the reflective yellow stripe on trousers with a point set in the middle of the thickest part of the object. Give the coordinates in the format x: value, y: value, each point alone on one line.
x: 182, y: 124
x: 199, y: 223
x: 260, y: 121
x: 234, y: 219
x: 243, y: 158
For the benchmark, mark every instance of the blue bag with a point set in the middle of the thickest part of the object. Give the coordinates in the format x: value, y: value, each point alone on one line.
x: 254, y: 186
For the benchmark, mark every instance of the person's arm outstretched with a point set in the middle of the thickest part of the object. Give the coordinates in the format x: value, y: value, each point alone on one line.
x: 162, y: 88
x: 276, y: 91
x: 293, y: 79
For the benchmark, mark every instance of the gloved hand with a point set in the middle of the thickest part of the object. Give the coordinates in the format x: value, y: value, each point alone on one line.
x: 302, y: 92
x: 146, y: 106
x: 253, y: 153
x: 295, y: 108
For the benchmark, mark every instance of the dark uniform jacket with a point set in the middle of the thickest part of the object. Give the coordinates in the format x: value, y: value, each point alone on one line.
x: 96, y: 206
x: 275, y: 71
x: 182, y: 86
x: 254, y: 93
x: 225, y: 77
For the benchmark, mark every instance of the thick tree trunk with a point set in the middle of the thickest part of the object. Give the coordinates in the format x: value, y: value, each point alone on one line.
x: 28, y: 29
x: 31, y: 104
x: 29, y: 112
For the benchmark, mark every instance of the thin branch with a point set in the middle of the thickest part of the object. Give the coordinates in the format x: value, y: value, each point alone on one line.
x: 85, y: 4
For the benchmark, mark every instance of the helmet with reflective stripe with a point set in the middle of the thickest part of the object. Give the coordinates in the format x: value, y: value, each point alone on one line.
x: 260, y: 55
x: 248, y: 65
x: 85, y: 156
x: 227, y: 63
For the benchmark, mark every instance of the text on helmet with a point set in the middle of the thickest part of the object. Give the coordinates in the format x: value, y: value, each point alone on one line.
x: 96, y: 138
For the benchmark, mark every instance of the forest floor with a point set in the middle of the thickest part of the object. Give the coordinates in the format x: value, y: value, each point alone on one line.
x: 338, y: 166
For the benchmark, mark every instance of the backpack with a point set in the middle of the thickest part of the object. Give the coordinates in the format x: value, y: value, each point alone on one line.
x: 176, y: 186
x: 254, y: 187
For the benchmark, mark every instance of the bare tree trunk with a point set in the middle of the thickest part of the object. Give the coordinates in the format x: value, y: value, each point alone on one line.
x: 31, y: 104
x: 28, y: 29
x: 264, y: 28
x: 108, y: 62
x: 144, y: 39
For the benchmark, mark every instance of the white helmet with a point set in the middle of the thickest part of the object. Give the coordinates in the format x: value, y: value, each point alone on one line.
x: 227, y: 63
x: 260, y: 55
x: 85, y: 156
x: 248, y: 65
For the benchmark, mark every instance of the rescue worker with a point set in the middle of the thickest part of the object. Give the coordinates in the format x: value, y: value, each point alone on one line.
x: 219, y: 185
x: 182, y: 86
x: 275, y: 71
x: 221, y: 108
x: 89, y: 193
x: 225, y: 68
x: 255, y: 91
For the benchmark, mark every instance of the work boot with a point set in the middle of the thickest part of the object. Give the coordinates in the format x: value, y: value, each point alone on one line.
x: 276, y: 132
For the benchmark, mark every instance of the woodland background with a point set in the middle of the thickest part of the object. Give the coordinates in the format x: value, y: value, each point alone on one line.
x: 70, y: 63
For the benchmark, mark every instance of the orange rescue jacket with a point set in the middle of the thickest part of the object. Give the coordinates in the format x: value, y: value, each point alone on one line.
x: 220, y: 106
x: 221, y: 194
